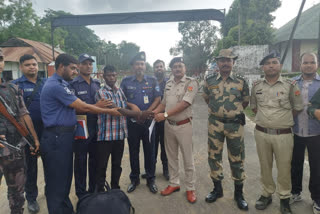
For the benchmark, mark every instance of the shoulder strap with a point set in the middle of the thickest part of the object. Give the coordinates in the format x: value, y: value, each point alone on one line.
x: 31, y: 96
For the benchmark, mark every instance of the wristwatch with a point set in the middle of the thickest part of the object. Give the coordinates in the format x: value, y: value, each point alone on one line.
x: 165, y: 115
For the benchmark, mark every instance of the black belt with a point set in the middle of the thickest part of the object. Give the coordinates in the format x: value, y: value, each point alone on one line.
x: 61, y: 128
x: 226, y: 120
x: 273, y: 131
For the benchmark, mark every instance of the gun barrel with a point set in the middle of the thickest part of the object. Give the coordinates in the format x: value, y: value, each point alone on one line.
x: 5, y: 143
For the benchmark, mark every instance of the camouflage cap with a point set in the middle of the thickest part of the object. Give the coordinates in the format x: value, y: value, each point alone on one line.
x: 1, y: 52
x: 226, y: 53
x: 270, y: 55
x: 141, y: 56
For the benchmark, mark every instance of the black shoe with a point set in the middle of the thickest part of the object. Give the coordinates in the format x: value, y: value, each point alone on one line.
x: 152, y: 187
x: 216, y: 193
x: 166, y: 174
x: 263, y: 202
x: 285, y: 207
x: 33, y: 206
x: 144, y: 176
x: 238, y: 197
x: 133, y: 186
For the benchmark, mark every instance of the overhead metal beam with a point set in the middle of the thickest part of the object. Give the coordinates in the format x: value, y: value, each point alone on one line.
x: 139, y: 17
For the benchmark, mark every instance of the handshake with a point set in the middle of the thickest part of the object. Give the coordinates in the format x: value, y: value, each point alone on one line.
x: 148, y: 115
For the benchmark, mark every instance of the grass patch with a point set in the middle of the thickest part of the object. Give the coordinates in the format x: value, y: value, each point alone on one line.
x: 249, y: 113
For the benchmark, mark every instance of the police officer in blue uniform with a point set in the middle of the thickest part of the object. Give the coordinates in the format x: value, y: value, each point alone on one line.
x: 58, y: 106
x: 143, y: 91
x: 31, y: 85
x: 85, y: 88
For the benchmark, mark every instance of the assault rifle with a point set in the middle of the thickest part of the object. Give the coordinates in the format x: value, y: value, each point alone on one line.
x: 7, y: 112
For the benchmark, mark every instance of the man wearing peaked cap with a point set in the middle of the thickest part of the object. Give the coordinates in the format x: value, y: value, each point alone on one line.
x: 176, y: 104
x: 83, y: 57
x: 227, y: 95
x: 274, y: 100
x: 144, y: 92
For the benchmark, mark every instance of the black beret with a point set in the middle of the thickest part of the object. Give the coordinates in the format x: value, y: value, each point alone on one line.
x: 272, y: 54
x: 174, y: 60
x: 141, y: 56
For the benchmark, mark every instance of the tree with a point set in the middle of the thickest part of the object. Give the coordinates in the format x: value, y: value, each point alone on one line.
x: 256, y: 23
x: 198, y: 42
x: 127, y: 50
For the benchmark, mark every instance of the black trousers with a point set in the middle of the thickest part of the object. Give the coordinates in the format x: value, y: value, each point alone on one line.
x: 136, y: 133
x: 31, y: 187
x: 81, y: 149
x: 313, y: 146
x: 159, y: 132
x: 103, y: 152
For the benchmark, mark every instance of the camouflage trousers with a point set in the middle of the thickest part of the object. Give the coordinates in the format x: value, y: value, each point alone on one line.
x: 13, y: 169
x: 233, y: 132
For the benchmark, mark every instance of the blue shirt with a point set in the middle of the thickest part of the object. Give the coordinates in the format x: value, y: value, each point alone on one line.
x: 86, y: 93
x: 27, y: 87
x: 141, y: 93
x: 54, y: 103
x: 313, y: 124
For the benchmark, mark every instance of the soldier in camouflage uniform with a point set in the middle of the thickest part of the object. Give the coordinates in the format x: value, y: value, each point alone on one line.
x: 12, y: 163
x: 226, y: 94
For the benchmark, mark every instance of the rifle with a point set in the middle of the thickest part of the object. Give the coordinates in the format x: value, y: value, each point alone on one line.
x: 5, y: 143
x: 7, y: 112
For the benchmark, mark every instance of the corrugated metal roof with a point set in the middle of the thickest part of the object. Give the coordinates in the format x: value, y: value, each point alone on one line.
x: 13, y: 50
x: 308, y: 26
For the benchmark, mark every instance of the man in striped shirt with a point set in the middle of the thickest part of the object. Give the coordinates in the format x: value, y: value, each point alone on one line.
x: 113, y: 130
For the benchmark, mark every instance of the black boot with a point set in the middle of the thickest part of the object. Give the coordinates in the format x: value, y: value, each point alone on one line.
x: 284, y: 206
x: 216, y: 193
x: 238, y: 197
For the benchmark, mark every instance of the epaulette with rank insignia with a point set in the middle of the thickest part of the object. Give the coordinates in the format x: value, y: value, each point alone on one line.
x: 240, y: 76
x: 256, y: 82
x: 213, y: 74
x: 290, y: 81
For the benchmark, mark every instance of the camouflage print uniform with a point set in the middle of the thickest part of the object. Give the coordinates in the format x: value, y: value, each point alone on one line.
x: 12, y: 163
x: 225, y: 100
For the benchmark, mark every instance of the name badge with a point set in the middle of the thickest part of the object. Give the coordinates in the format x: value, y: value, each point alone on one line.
x: 28, y: 90
x: 145, y: 99
x: 82, y: 92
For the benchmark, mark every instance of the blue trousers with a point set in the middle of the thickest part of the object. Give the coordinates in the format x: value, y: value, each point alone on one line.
x: 136, y: 133
x: 56, y: 154
x: 31, y: 187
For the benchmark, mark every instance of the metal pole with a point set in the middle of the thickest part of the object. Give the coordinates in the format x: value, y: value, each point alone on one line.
x: 52, y: 41
x: 319, y: 43
x: 293, y: 31
x: 239, y: 23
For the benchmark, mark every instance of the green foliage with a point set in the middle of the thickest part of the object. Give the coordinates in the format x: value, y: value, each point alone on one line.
x: 256, y: 23
x: 197, y: 45
x: 18, y: 19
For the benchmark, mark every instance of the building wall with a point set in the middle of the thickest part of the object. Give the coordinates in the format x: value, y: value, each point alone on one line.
x: 309, y: 46
x: 12, y: 68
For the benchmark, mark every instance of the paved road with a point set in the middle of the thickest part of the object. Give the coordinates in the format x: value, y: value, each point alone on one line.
x: 146, y: 202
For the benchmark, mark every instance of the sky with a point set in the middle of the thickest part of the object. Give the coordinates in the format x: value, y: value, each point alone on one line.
x: 155, y: 39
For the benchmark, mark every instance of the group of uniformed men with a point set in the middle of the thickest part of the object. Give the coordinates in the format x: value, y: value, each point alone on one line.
x: 113, y: 114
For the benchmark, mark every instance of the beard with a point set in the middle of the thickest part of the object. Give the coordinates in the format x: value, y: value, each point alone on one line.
x: 159, y: 75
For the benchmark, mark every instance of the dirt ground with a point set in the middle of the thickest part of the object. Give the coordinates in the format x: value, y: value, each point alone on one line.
x: 145, y: 202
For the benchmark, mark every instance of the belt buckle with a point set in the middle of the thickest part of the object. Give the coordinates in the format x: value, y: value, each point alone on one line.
x: 173, y: 123
x: 272, y: 131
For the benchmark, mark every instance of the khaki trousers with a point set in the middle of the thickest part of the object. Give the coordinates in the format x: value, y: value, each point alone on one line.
x: 279, y: 146
x: 180, y: 137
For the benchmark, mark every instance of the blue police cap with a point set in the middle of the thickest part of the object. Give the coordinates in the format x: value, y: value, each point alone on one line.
x: 176, y: 59
x: 141, y: 56
x: 272, y: 54
x: 83, y: 57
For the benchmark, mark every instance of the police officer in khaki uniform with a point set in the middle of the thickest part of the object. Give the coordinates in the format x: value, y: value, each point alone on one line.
x: 226, y: 94
x: 177, y: 103
x: 275, y: 100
